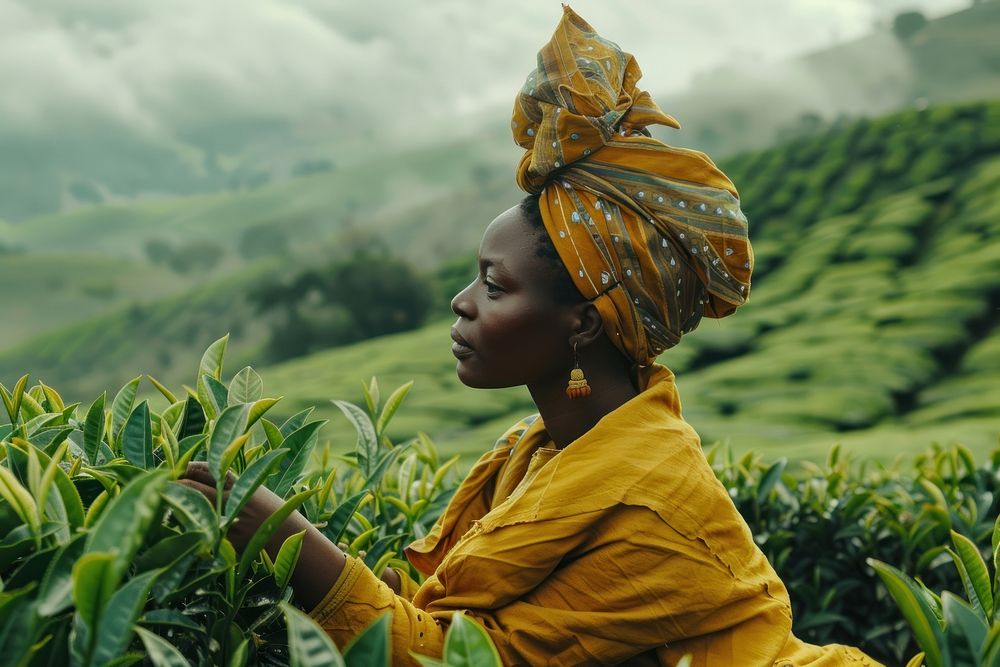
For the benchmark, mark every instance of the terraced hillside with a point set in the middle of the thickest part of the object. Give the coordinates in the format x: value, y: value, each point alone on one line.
x: 874, y: 318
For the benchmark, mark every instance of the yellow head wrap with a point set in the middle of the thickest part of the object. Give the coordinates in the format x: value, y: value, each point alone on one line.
x: 652, y: 234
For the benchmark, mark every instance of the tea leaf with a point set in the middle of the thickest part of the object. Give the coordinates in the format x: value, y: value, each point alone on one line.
x: 122, y: 525
x: 466, y: 644
x: 56, y: 590
x: 118, y: 618
x: 249, y: 481
x: 228, y: 427
x: 288, y: 557
x: 94, y: 582
x: 300, y: 443
x: 371, y: 647
x: 193, y: 510
x: 391, y: 406
x: 964, y: 621
x: 246, y: 387
x: 266, y: 530
x: 137, y: 438
x: 974, y: 575
x: 367, y: 444
x: 259, y: 408
x: 308, y: 643
x: 121, y: 406
x: 921, y: 618
x: 159, y: 651
x: 93, y: 430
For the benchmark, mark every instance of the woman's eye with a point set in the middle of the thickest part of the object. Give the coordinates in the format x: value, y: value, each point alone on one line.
x: 491, y: 288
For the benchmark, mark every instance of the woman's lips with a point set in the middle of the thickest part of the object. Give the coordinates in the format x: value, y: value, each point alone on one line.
x: 460, y: 347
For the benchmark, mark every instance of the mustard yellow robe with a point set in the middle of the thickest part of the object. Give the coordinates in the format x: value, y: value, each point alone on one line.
x: 621, y: 548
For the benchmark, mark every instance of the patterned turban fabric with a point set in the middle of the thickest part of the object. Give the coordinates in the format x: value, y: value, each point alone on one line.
x: 653, y: 235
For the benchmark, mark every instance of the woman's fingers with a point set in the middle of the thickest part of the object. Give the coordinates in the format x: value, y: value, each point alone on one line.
x: 207, y: 490
x: 198, y: 470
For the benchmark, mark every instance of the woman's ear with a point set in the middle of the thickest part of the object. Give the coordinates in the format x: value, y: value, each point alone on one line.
x: 591, y: 325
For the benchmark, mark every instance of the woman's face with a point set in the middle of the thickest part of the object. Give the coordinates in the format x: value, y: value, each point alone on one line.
x: 511, y: 330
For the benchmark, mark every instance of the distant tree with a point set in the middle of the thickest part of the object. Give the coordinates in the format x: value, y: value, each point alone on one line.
x: 159, y: 251
x: 262, y: 240
x: 908, y: 24
x: 307, y: 167
x: 371, y: 293
x: 196, y: 255
x: 85, y: 192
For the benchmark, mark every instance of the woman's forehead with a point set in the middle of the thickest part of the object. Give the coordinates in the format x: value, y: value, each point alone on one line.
x: 510, y: 243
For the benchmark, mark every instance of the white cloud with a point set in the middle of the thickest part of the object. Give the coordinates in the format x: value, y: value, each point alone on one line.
x: 157, y: 67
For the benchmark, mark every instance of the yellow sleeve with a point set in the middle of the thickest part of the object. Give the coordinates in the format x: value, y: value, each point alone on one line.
x: 359, y: 597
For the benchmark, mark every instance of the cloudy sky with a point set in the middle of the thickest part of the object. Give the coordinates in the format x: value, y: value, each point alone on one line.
x: 154, y: 67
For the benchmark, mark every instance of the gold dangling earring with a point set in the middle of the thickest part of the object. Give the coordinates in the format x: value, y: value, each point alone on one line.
x: 577, y: 386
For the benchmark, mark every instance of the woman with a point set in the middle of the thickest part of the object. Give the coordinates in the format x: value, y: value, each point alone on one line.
x: 595, y: 532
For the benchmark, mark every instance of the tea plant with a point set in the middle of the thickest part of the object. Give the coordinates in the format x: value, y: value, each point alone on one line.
x: 105, y: 558
x: 951, y: 631
x: 818, y: 527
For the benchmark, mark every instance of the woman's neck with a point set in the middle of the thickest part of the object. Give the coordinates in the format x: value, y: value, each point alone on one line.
x: 565, y: 418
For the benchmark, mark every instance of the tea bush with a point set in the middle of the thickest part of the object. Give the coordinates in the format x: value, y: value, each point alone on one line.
x: 106, y: 560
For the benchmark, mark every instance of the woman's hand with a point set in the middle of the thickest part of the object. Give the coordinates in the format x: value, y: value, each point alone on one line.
x: 320, y: 561
x: 262, y: 504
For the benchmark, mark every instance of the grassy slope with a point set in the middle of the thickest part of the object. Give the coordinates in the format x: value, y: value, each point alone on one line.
x: 873, y: 318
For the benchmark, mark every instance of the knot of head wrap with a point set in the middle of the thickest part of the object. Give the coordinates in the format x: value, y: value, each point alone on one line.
x: 653, y: 235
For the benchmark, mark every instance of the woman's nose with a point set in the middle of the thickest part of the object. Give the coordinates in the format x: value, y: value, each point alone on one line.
x: 462, y: 303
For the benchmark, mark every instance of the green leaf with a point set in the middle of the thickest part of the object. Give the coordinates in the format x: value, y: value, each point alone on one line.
x: 308, y: 643
x: 974, y: 575
x: 259, y: 408
x: 374, y: 478
x: 769, y: 479
x: 159, y: 651
x: 913, y: 604
x: 213, y: 395
x: 228, y: 427
x: 267, y: 529
x: 372, y: 398
x: 288, y: 557
x: 367, y: 444
x: 17, y: 396
x: 211, y: 360
x: 295, y: 422
x: 192, y: 419
x: 121, y: 407
x: 193, y: 510
x: 19, y: 499
x: 137, y: 438
x: 122, y: 525
x: 371, y: 647
x: 341, y: 516
x: 56, y: 591
x: 466, y: 644
x: 94, y: 582
x: 300, y: 444
x: 114, y: 632
x: 93, y: 430
x: 250, y: 480
x: 964, y: 621
x: 391, y: 406
x: 246, y: 387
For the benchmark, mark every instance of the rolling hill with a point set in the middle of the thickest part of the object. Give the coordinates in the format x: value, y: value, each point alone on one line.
x: 874, y: 318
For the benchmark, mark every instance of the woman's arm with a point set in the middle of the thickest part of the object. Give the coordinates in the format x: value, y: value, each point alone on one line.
x: 320, y: 562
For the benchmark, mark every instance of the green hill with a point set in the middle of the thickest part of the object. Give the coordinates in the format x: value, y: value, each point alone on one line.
x: 874, y: 318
